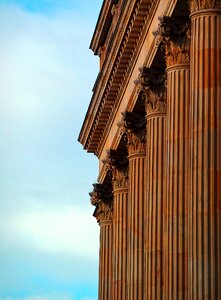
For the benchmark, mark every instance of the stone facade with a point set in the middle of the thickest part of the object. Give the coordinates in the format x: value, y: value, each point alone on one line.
x: 154, y: 122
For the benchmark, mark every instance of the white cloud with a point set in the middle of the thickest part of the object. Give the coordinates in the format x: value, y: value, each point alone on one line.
x: 58, y: 229
x: 48, y: 238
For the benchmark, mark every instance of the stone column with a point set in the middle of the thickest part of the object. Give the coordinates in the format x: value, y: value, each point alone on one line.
x: 118, y: 164
x: 135, y: 125
x: 102, y: 198
x: 175, y: 36
x: 151, y: 87
x: 205, y: 131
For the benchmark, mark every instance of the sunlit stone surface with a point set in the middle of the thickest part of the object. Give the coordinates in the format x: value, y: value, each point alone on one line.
x: 154, y: 122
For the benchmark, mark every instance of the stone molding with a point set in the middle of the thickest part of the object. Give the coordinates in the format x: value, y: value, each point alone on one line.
x: 102, y: 199
x: 134, y: 125
x: 115, y: 11
x: 151, y: 86
x: 174, y: 34
x: 115, y: 71
x: 196, y: 5
x: 117, y: 163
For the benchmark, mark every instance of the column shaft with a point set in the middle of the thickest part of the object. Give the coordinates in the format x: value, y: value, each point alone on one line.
x: 152, y: 89
x: 175, y: 35
x: 135, y: 126
x: 205, y: 130
x: 102, y: 199
x: 137, y: 198
x: 105, y: 261
x: 120, y: 222
x: 117, y: 163
x: 177, y: 181
x: 156, y: 206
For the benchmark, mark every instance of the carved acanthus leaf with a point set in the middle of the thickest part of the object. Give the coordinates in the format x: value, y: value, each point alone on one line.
x: 135, y: 129
x: 117, y: 163
x: 102, y: 199
x: 104, y: 212
x: 120, y: 179
x: 196, y: 5
x: 174, y: 34
x: 151, y: 85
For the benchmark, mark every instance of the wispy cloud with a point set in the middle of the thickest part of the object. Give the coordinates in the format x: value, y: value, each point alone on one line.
x: 48, y: 237
x: 58, y: 229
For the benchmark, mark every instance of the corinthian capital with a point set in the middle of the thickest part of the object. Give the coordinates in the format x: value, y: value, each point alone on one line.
x: 174, y: 34
x: 118, y: 164
x: 135, y: 129
x: 151, y: 84
x: 102, y: 199
x: 196, y: 5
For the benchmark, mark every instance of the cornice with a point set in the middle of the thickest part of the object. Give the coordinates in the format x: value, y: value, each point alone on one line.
x: 131, y: 102
x: 102, y: 26
x: 134, y: 14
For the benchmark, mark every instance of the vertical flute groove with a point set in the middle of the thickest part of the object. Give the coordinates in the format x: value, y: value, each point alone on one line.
x: 205, y: 224
x: 137, y: 198
x: 105, y: 265
x: 177, y: 145
x: 151, y: 82
x: 120, y: 216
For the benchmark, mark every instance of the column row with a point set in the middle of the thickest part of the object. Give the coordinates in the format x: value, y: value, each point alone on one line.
x: 165, y: 221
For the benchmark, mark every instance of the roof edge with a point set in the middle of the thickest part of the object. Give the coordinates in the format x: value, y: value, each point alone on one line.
x: 102, y: 25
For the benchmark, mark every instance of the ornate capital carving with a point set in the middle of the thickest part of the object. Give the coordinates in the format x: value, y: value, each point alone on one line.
x: 135, y: 129
x: 102, y: 199
x: 151, y: 85
x: 117, y: 162
x: 196, y: 5
x: 174, y: 34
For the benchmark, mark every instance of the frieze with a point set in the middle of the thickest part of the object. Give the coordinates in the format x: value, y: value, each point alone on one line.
x: 151, y: 86
x: 174, y: 34
x: 102, y: 199
x: 196, y: 5
x: 135, y: 129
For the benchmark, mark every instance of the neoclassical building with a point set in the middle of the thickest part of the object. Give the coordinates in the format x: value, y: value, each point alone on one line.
x: 154, y: 122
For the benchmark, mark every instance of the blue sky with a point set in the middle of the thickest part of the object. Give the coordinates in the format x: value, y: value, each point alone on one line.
x: 49, y: 239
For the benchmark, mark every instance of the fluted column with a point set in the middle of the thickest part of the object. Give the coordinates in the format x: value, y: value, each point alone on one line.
x: 102, y: 198
x: 175, y: 36
x: 151, y: 87
x: 136, y: 137
x: 205, y: 130
x: 117, y: 163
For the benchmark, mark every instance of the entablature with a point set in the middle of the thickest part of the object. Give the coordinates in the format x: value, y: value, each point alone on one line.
x: 114, y: 91
x: 130, y: 24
